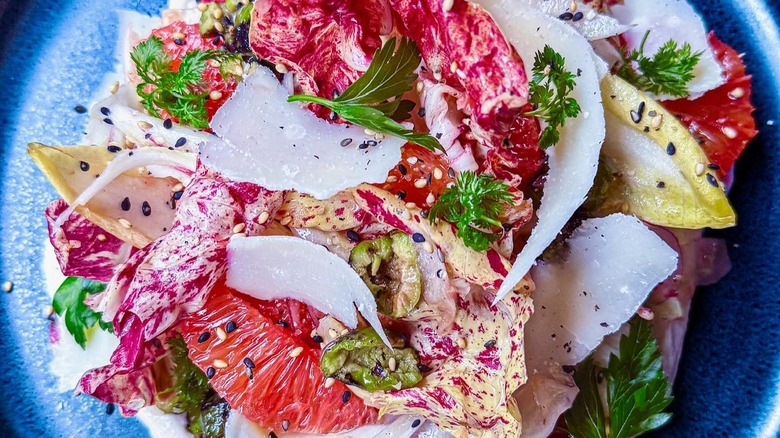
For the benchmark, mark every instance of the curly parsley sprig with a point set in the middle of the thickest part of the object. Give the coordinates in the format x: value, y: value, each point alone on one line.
x: 637, y: 390
x: 473, y: 204
x: 181, y: 93
x: 550, y: 87
x: 68, y: 303
x: 668, y: 72
x: 375, y: 97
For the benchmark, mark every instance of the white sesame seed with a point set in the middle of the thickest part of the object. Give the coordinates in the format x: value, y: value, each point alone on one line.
x: 296, y: 352
x: 462, y: 343
x: 101, y: 237
x: 454, y: 66
x: 144, y: 124
x: 281, y: 68
x: 115, y: 87
x: 263, y: 217
x: 329, y: 382
x: 125, y: 223
x: 286, y: 220
x: 447, y: 5
x: 699, y: 169
x: 411, y: 205
x: 430, y: 199
x: 178, y: 36
x: 437, y: 173
x: 392, y: 179
x: 655, y: 122
x: 412, y: 160
x: 420, y: 183
x: 392, y: 364
x: 428, y: 247
x: 239, y: 235
x: 737, y: 93
x: 219, y: 27
x: 645, y: 313
x: 406, y: 215
x: 215, y: 95
x: 8, y: 286
x: 437, y: 73
x: 369, y: 132
x: 203, y: 6
x: 420, y: 86
x: 730, y: 132
x: 238, y: 70
x: 213, y: 63
x: 573, y: 6
x: 547, y: 70
x: 333, y: 333
x: 590, y: 15
x: 177, y: 188
x: 217, y: 13
x: 219, y: 363
x: 221, y: 334
x: 48, y: 310
x: 239, y: 228
x: 344, y: 332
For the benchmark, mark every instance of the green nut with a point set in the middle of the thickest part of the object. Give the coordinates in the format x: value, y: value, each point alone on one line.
x: 361, y: 358
x: 390, y: 269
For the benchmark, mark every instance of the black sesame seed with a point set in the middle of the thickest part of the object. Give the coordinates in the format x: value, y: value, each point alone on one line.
x: 604, y: 324
x: 440, y: 273
x: 146, y: 209
x: 421, y: 112
x: 230, y: 326
x: 114, y: 148
x: 439, y: 135
x: 428, y: 179
x: 180, y: 142
x: 570, y: 369
x: 177, y: 195
x: 178, y: 42
x: 148, y: 135
x: 109, y: 409
x: 346, y: 142
x: 417, y: 237
x: 249, y: 363
x: 451, y: 172
x: 105, y: 111
x: 423, y: 368
x: 402, y: 169
x: 711, y: 179
x: 81, y: 109
x: 126, y: 204
x: 168, y: 124
x: 363, y: 145
x: 566, y: 16
x: 713, y: 166
x: 317, y: 338
x: 282, y: 323
x: 670, y: 149
x: 210, y: 372
x: 424, y: 214
x: 84, y: 166
x: 285, y: 425
x: 353, y: 236
x: 204, y: 337
x: 660, y: 184
x: 346, y: 396
x: 577, y: 17
x: 273, y: 435
x: 372, y: 143
x: 416, y: 422
x: 108, y: 121
x: 157, y: 343
x: 636, y: 116
x: 401, y: 195
x: 490, y: 343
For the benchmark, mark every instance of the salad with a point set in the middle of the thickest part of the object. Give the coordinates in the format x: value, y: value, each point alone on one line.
x: 395, y: 217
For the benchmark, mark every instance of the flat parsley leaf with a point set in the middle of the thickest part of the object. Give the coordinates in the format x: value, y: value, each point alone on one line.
x: 473, y: 204
x: 68, y: 302
x: 549, y: 93
x: 638, y: 391
x: 181, y: 93
x: 668, y: 72
x: 367, y: 102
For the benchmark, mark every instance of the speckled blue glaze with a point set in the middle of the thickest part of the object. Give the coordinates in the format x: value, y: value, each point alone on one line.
x: 52, y: 57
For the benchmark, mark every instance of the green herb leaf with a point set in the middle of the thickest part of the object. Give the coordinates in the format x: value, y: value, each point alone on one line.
x: 638, y: 391
x: 668, y: 72
x: 182, y: 93
x: 79, y: 319
x: 549, y: 91
x: 244, y: 15
x: 473, y: 204
x: 190, y: 385
x: 367, y: 102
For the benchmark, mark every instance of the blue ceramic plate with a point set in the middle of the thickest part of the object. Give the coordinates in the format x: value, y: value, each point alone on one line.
x: 52, y: 57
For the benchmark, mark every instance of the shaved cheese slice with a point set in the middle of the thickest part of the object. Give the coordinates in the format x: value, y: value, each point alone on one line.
x: 276, y: 267
x: 401, y: 426
x: 574, y: 160
x: 591, y: 24
x: 609, y: 267
x: 676, y: 20
x: 281, y: 146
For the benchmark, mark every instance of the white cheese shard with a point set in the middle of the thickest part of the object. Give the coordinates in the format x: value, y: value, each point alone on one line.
x: 263, y: 139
